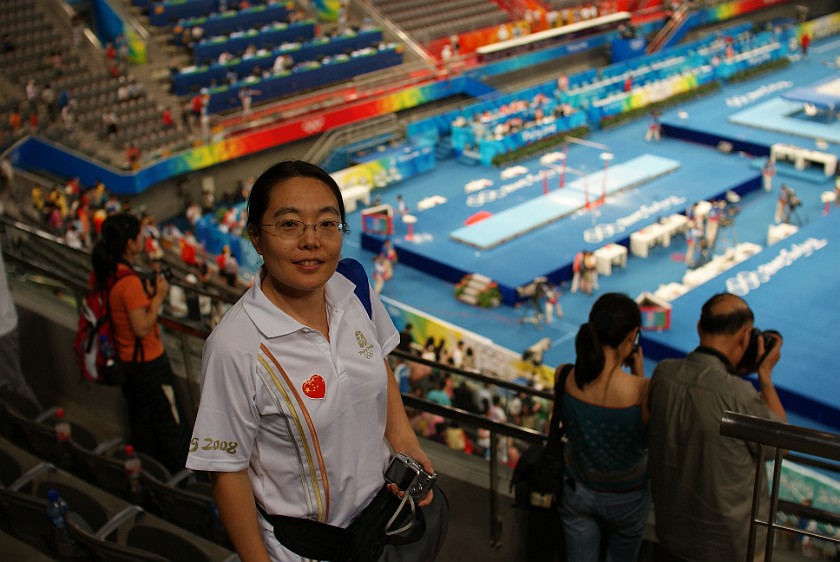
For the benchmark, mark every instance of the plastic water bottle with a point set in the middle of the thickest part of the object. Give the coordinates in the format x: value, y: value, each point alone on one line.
x: 57, y: 514
x: 108, y: 350
x: 62, y: 427
x: 133, y: 470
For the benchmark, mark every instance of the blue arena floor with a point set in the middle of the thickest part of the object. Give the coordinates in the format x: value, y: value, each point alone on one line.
x: 796, y: 299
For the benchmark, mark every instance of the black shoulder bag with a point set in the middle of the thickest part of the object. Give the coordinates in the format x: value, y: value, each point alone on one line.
x: 537, y: 480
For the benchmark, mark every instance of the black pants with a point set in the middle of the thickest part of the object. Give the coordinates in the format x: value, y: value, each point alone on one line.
x: 150, y: 395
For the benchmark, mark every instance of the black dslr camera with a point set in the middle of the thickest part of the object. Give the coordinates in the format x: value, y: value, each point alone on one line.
x: 149, y: 277
x: 751, y: 361
x: 409, y: 476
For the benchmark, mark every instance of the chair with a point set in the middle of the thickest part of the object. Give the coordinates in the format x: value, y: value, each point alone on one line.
x: 168, y: 544
x: 105, y: 550
x: 189, y: 509
x: 8, y: 428
x: 23, y: 517
x: 94, y: 513
x: 104, y: 472
x: 40, y: 437
x: 10, y: 470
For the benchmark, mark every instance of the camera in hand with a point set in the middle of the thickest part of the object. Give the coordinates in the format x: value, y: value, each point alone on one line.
x: 751, y: 361
x: 409, y: 476
x: 149, y: 277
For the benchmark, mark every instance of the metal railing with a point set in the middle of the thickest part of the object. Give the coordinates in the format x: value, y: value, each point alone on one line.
x: 348, y: 134
x: 783, y: 438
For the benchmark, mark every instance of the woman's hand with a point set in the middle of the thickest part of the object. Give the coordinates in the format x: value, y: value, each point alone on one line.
x: 416, y: 453
x: 635, y: 362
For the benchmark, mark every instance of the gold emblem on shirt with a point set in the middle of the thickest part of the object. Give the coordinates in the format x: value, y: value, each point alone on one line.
x: 365, y: 349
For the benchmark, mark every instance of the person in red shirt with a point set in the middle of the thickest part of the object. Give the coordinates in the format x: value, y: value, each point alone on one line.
x: 168, y: 121
x: 132, y: 154
x: 804, y: 43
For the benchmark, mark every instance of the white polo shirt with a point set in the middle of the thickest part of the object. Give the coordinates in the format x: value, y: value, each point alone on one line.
x: 312, y: 435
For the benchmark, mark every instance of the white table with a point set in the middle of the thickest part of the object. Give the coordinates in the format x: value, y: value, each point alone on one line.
x: 800, y: 156
x: 609, y: 255
x: 429, y: 202
x: 777, y: 232
x: 719, y: 264
x: 352, y: 195
x: 645, y: 238
x: 670, y: 291
x: 477, y: 185
x: 702, y: 209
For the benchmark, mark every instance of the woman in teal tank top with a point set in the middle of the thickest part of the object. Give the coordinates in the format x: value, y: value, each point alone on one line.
x: 605, y: 413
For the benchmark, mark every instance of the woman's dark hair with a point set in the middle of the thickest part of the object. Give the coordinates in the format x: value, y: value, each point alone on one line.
x: 612, y: 317
x: 261, y: 192
x: 116, y: 232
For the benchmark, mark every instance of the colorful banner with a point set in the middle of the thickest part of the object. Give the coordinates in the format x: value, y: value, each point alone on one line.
x: 489, y: 357
x: 327, y: 10
x: 111, y: 28
x: 390, y: 167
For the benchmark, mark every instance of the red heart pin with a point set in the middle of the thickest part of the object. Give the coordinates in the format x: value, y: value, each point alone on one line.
x: 315, y: 387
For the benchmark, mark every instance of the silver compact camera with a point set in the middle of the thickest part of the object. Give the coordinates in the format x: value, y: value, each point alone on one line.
x: 409, y: 476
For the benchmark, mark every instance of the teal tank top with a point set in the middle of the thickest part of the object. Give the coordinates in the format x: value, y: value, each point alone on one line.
x: 607, y: 447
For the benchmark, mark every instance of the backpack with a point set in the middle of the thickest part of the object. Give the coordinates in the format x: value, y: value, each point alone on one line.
x: 355, y: 272
x: 94, y: 349
x: 537, y: 479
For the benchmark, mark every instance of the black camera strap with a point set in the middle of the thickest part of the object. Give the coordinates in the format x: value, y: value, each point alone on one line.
x: 730, y: 368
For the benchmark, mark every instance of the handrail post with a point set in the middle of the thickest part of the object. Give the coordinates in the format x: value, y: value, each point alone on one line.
x: 495, y: 519
x: 759, y: 466
x: 185, y: 352
x: 774, y: 505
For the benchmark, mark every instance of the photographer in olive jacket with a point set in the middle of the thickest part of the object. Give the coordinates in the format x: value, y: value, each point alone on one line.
x: 701, y: 481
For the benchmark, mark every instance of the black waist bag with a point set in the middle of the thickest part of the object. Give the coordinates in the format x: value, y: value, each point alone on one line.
x: 362, y: 541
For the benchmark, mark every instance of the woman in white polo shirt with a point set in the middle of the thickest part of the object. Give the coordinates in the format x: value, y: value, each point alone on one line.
x: 298, y: 405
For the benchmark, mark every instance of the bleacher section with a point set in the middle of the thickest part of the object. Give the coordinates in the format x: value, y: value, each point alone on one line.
x: 307, y: 76
x: 426, y: 20
x: 228, y: 22
x: 191, y: 80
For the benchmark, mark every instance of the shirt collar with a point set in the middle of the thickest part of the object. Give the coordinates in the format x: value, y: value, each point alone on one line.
x: 274, y: 322
x: 727, y: 364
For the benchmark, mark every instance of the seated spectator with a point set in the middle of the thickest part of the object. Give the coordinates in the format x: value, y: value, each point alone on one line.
x: 7, y: 45
x: 132, y: 155
x: 437, y: 394
x: 111, y: 121
x: 167, y: 118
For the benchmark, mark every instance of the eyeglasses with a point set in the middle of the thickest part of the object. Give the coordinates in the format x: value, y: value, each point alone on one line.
x: 292, y: 229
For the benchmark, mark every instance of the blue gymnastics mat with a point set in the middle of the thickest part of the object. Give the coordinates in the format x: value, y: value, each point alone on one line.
x: 791, y: 287
x: 777, y: 115
x: 540, y: 211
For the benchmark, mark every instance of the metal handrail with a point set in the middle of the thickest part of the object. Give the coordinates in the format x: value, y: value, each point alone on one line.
x: 782, y: 437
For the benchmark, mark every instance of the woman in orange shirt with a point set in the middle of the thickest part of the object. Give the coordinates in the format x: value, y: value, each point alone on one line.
x: 157, y: 424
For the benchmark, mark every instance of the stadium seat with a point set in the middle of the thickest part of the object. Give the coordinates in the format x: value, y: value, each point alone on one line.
x: 190, y: 510
x: 10, y: 469
x: 105, y: 550
x: 171, y: 545
x: 40, y: 437
x: 83, y: 504
x: 22, y: 516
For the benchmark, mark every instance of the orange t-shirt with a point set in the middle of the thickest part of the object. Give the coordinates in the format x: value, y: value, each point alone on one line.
x: 128, y: 294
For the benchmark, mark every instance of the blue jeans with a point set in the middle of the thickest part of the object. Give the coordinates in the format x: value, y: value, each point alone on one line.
x: 587, y: 514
